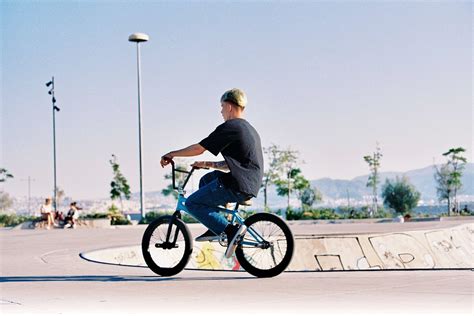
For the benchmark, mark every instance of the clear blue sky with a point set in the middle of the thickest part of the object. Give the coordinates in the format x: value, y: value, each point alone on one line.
x: 327, y: 79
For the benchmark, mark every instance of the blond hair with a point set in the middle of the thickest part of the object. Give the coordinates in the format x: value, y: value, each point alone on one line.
x: 235, y: 96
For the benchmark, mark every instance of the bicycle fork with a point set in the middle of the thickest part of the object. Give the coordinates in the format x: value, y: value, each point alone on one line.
x: 170, y: 244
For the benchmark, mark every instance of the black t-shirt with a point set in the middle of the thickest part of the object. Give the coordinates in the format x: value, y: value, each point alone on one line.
x: 240, y: 146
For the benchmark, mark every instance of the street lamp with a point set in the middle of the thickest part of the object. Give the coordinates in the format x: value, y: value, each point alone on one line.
x: 138, y: 38
x: 55, y: 108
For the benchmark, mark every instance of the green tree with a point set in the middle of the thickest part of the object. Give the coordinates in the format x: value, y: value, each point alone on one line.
x: 449, y: 176
x: 4, y: 175
x: 309, y: 196
x: 5, y: 201
x: 373, y: 181
x: 271, y: 174
x: 119, y: 185
x: 295, y: 182
x: 400, y: 195
x: 444, y: 187
x: 281, y: 168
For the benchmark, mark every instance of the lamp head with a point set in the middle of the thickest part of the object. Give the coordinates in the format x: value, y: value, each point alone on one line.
x: 138, y: 37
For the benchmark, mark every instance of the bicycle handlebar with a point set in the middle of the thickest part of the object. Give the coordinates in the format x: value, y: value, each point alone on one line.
x: 174, y: 170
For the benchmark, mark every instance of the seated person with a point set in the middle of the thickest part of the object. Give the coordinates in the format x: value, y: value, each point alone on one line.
x: 72, y: 216
x: 47, y: 213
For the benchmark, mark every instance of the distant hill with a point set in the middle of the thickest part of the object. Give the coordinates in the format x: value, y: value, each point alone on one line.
x: 335, y: 191
x: 422, y: 179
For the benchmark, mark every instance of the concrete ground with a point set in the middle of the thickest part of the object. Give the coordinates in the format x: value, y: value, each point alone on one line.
x: 42, y: 273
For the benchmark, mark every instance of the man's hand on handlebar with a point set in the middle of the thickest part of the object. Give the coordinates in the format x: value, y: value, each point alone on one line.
x: 166, y: 160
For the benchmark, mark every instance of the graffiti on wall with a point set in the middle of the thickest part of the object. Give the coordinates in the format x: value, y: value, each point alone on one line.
x: 446, y: 248
x: 211, y: 256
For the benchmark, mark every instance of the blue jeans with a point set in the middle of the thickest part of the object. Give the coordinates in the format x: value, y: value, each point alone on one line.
x: 203, y: 204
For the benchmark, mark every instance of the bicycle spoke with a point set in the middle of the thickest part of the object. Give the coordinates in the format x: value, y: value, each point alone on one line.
x: 265, y: 258
x: 166, y: 257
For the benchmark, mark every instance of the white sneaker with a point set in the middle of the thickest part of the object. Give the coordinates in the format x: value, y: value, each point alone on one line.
x: 234, y: 239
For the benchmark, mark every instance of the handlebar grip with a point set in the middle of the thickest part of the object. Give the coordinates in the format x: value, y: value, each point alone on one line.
x: 169, y: 160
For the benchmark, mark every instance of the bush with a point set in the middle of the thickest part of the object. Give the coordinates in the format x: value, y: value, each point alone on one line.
x: 400, y: 195
x: 324, y: 213
x: 119, y: 220
x: 116, y: 217
x: 11, y: 220
x: 151, y: 216
x: 334, y: 214
x: 363, y: 212
x: 94, y: 216
x: 188, y: 218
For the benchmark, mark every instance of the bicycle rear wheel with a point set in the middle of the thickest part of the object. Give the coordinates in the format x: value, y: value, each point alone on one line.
x: 164, y: 257
x: 272, y: 255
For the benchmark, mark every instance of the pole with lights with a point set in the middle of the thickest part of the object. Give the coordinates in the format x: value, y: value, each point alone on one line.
x: 139, y: 38
x: 55, y: 109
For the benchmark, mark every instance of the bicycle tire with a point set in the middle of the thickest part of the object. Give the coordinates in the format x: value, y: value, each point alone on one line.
x: 155, y: 261
x: 251, y: 265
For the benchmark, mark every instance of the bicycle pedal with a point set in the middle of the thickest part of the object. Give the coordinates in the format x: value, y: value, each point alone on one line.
x: 223, y: 240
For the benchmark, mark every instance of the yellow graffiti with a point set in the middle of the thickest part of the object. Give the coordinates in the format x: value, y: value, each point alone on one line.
x: 206, y: 259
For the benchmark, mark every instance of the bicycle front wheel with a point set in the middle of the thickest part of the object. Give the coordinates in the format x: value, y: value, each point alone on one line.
x: 267, y: 247
x: 167, y: 256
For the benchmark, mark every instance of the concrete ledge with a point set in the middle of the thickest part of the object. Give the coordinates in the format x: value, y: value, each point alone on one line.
x: 447, y: 248
x: 94, y: 223
x: 456, y: 218
x: 81, y: 223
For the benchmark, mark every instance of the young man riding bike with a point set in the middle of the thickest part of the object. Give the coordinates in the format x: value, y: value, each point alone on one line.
x: 236, y: 179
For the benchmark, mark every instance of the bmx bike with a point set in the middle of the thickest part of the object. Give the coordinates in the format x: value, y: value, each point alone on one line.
x: 264, y: 251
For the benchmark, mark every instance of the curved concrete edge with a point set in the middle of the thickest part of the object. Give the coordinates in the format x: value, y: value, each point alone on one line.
x: 129, y: 256
x: 449, y: 248
x: 205, y: 256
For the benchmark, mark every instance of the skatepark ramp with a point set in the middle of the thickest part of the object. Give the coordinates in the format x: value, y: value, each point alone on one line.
x: 446, y: 248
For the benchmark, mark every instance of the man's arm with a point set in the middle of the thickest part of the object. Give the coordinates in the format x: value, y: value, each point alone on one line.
x: 219, y: 165
x: 190, y: 151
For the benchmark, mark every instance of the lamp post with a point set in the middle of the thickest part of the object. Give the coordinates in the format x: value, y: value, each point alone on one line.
x: 139, y: 38
x: 55, y: 108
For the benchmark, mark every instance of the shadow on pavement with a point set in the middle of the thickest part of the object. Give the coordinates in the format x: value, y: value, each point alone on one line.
x: 111, y: 278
